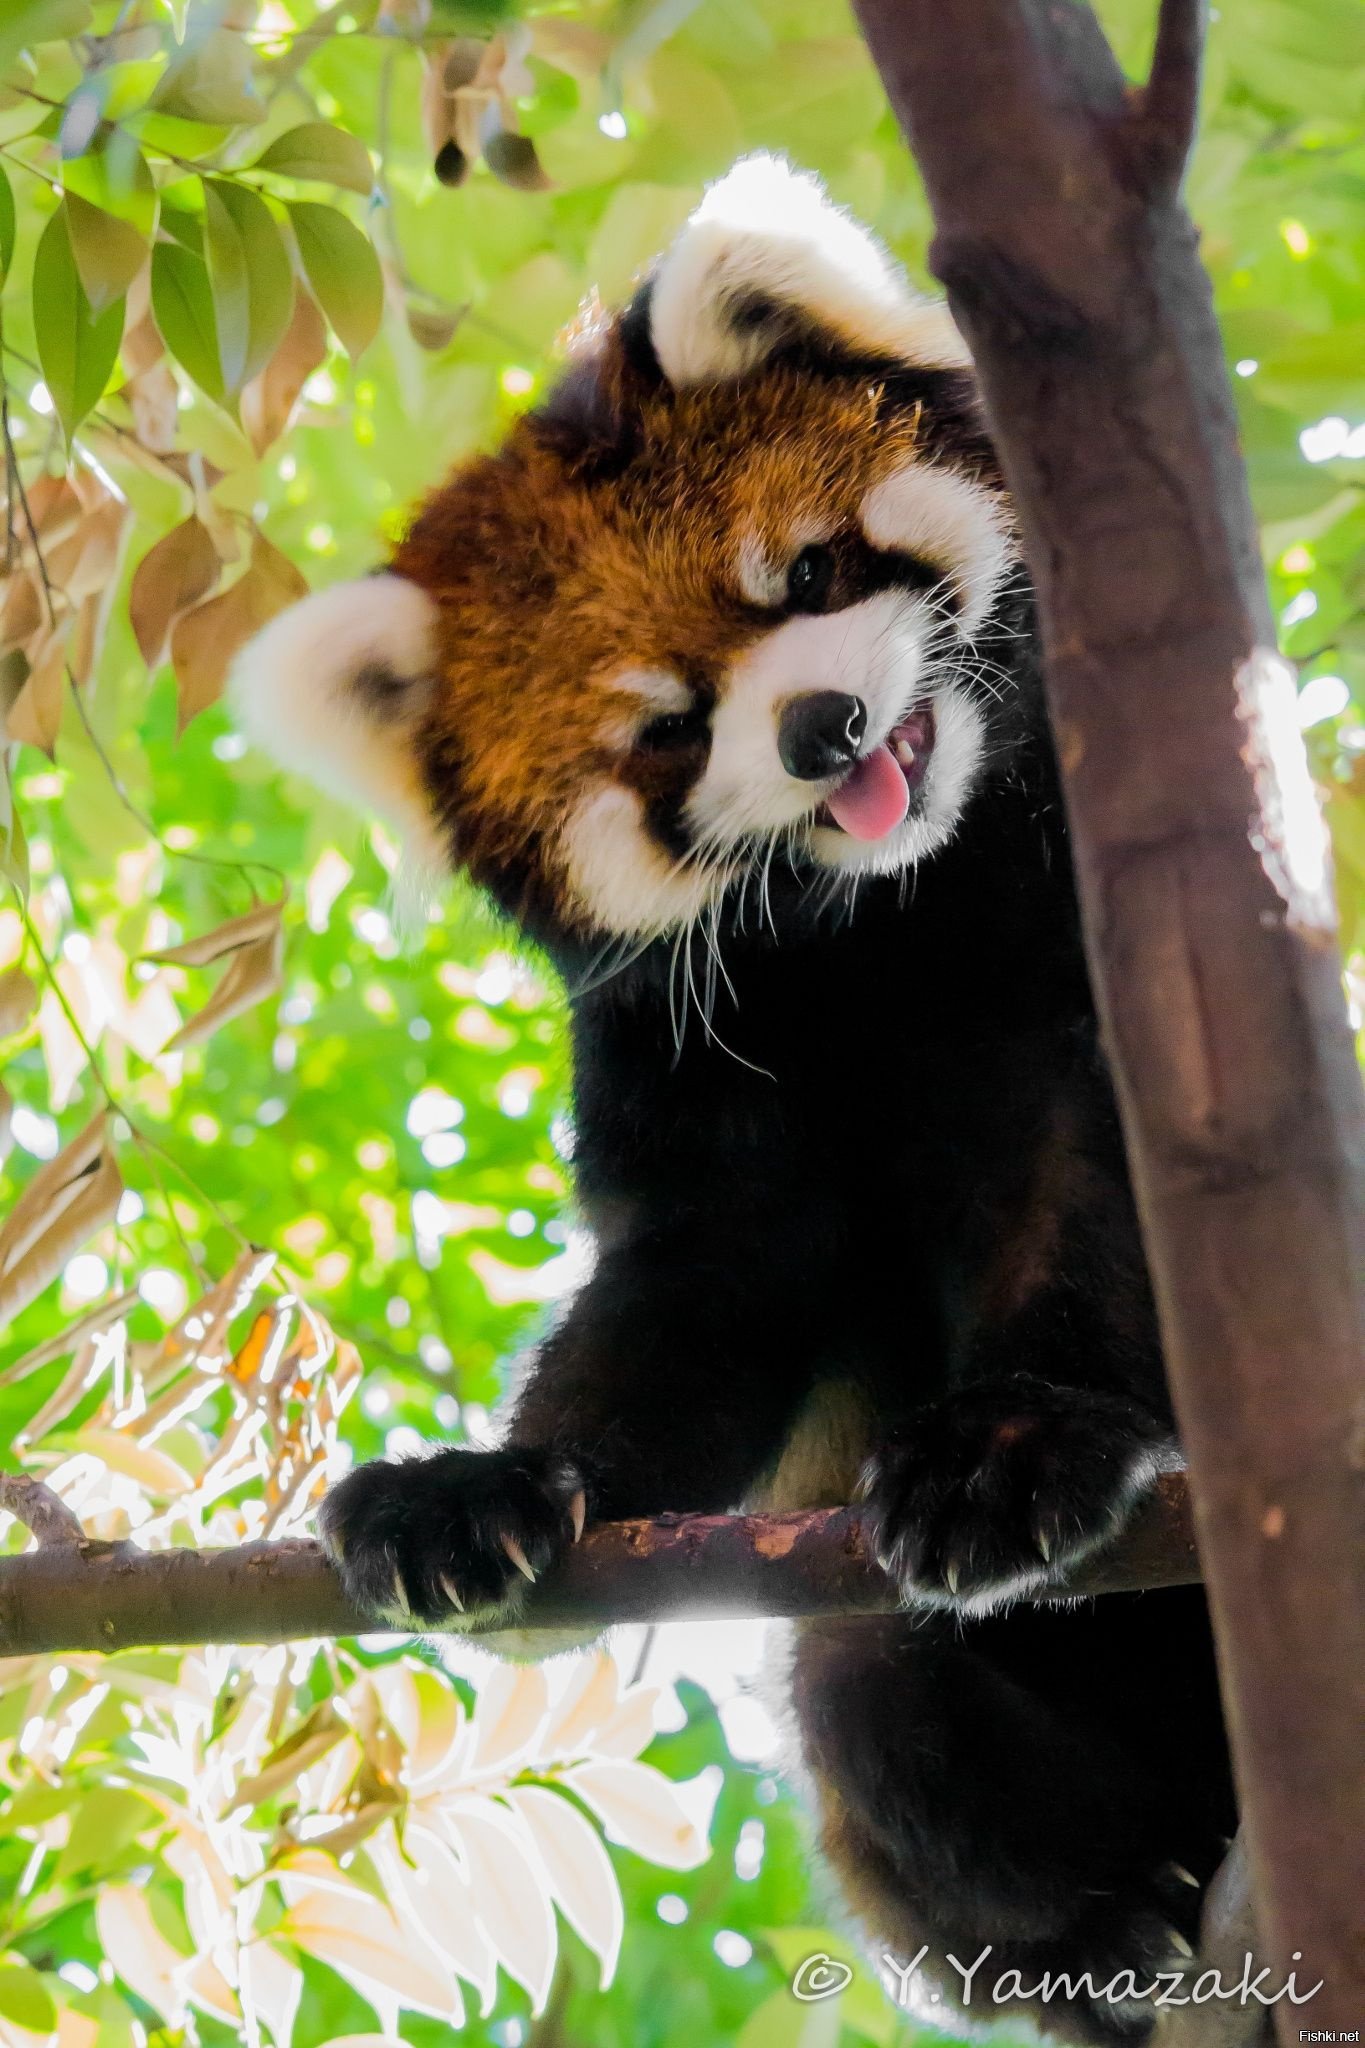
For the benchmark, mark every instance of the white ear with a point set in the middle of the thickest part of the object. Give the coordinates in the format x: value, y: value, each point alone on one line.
x: 335, y: 688
x: 765, y: 254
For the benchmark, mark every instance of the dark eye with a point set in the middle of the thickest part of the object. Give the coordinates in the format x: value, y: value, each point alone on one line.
x: 809, y: 579
x: 676, y: 729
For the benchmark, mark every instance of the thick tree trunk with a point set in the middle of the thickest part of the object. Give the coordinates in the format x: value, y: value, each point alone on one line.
x: 71, y: 1594
x: 1073, y: 271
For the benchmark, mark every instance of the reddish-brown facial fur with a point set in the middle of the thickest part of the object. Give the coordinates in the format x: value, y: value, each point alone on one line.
x: 573, y: 555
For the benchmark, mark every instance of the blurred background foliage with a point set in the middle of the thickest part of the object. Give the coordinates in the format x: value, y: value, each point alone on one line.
x: 266, y: 268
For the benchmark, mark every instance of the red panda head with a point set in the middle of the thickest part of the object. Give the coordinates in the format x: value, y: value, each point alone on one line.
x: 717, y: 594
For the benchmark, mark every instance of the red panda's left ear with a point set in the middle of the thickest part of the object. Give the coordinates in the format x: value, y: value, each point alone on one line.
x: 336, y: 689
x: 766, y: 259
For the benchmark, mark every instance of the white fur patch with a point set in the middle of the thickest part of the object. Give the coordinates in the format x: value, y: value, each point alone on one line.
x: 959, y: 747
x: 949, y: 521
x: 767, y: 231
x: 874, y: 650
x: 299, y: 692
x: 621, y: 875
x: 760, y: 579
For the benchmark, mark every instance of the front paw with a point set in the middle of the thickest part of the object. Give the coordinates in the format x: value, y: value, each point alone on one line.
x: 1004, y: 1487
x: 451, y: 1539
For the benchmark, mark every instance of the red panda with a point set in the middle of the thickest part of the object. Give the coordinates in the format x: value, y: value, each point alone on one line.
x: 720, y: 676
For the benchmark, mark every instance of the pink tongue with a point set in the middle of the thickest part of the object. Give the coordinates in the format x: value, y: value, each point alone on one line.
x: 874, y: 799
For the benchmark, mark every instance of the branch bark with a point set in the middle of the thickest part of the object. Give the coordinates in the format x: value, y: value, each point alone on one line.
x: 43, y: 1513
x: 113, y: 1596
x: 1073, y: 271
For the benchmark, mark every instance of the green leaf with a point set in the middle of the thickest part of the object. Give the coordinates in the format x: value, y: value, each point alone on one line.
x: 104, y: 1822
x: 111, y: 206
x: 321, y: 153
x: 24, y: 1998
x: 115, y: 177
x: 343, y: 270
x: 6, y: 225
x: 182, y: 225
x: 109, y: 252
x: 212, y: 83
x: 182, y: 305
x: 29, y: 22
x: 253, y: 285
x: 77, y: 347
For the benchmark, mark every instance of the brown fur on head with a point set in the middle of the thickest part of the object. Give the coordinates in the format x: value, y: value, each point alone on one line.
x: 571, y: 680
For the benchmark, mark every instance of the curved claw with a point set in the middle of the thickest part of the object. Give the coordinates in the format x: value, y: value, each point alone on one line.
x: 578, y: 1513
x: 518, y: 1557
x: 447, y: 1587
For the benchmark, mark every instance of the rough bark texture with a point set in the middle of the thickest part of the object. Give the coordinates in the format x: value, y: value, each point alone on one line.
x: 1073, y: 271
x: 112, y: 1596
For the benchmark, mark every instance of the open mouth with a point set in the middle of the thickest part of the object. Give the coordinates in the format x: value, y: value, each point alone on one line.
x: 874, y: 799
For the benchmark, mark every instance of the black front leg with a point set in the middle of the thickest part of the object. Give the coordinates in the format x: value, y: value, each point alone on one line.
x: 668, y: 1386
x: 1052, y: 1434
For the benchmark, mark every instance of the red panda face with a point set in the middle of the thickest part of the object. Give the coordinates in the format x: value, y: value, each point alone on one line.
x: 715, y: 601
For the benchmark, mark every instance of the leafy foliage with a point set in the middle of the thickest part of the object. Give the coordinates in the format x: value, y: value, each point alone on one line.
x: 262, y: 266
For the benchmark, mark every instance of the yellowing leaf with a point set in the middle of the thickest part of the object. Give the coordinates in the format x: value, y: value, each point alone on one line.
x: 588, y: 1700
x: 253, y: 946
x: 271, y: 1984
x: 19, y: 998
x: 580, y: 1870
x: 640, y: 1808
x: 139, y: 1951
x: 360, y: 1938
x: 204, y: 640
x: 510, y: 1892
x: 180, y: 569
x: 154, y: 399
x: 235, y: 932
x: 342, y: 271
x: 151, y: 1468
x: 65, y: 1341
x: 322, y: 154
x: 35, y: 717
x: 511, y: 1707
x: 83, y: 565
x: 77, y: 347
x: 321, y: 1731
x: 254, y: 973
x: 268, y: 401
x: 66, y: 1202
x: 437, y: 1895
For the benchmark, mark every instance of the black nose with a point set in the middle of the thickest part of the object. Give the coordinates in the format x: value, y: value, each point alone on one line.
x: 819, y: 734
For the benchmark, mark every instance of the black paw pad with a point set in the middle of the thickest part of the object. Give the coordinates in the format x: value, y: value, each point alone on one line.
x: 451, y: 1539
x: 1001, y: 1489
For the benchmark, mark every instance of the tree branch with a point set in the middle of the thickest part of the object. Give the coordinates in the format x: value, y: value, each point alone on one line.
x: 44, y: 1513
x: 1168, y: 105
x: 1202, y: 867
x: 113, y: 1596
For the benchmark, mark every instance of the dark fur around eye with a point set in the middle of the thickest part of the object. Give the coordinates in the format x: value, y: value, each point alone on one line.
x: 674, y: 731
x: 811, y: 579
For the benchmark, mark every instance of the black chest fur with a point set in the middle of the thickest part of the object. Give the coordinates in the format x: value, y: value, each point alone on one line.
x: 893, y: 1111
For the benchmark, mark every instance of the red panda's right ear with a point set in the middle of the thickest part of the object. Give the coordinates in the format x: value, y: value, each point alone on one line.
x: 768, y: 259
x: 336, y: 689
